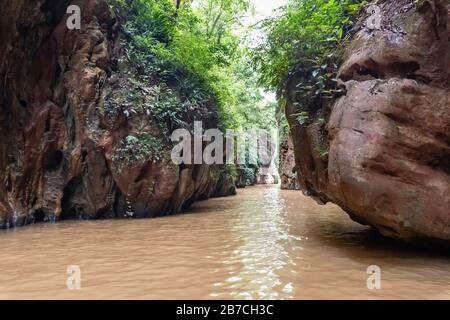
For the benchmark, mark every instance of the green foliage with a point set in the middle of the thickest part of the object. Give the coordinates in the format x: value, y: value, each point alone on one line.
x: 176, y: 63
x: 252, y: 109
x: 150, y: 19
x: 136, y: 149
x: 230, y: 173
x: 158, y: 105
x: 305, y: 37
x: 196, y: 51
x: 175, y: 47
x: 220, y: 18
x: 302, y: 117
x: 249, y: 174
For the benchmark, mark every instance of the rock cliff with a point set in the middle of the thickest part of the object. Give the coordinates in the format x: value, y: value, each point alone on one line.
x: 61, y: 155
x: 382, y: 150
x: 287, y: 169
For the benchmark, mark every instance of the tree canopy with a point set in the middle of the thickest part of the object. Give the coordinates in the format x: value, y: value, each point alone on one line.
x: 198, y: 44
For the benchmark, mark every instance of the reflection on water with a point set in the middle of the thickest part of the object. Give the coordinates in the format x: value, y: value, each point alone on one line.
x: 264, y: 235
x: 263, y: 244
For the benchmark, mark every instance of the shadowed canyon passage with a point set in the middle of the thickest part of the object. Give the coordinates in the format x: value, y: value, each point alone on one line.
x: 265, y: 243
x: 86, y: 119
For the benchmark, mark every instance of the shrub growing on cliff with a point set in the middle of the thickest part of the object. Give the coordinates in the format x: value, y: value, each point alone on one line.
x: 304, y: 37
x: 184, y: 48
x: 164, y: 87
x: 182, y: 61
x: 136, y: 149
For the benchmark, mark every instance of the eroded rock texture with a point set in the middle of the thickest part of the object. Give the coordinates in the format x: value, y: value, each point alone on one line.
x: 57, y: 153
x: 383, y: 153
x: 287, y: 168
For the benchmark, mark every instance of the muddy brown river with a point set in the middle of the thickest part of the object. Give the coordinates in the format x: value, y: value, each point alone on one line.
x: 262, y: 244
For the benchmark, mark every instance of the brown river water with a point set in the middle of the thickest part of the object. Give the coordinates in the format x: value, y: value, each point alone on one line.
x: 262, y: 244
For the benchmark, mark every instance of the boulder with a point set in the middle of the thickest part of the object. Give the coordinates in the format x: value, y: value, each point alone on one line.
x: 383, y: 151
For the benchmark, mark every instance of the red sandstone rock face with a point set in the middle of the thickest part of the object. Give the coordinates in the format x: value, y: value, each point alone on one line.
x: 57, y: 150
x: 288, y: 170
x: 388, y: 161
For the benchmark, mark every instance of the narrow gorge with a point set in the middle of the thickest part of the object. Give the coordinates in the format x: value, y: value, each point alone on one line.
x: 381, y: 151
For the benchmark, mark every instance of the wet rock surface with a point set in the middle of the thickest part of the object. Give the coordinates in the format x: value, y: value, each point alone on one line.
x: 383, y: 153
x: 288, y: 169
x: 58, y: 152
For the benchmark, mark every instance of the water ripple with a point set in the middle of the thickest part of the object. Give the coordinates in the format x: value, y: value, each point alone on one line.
x: 263, y: 244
